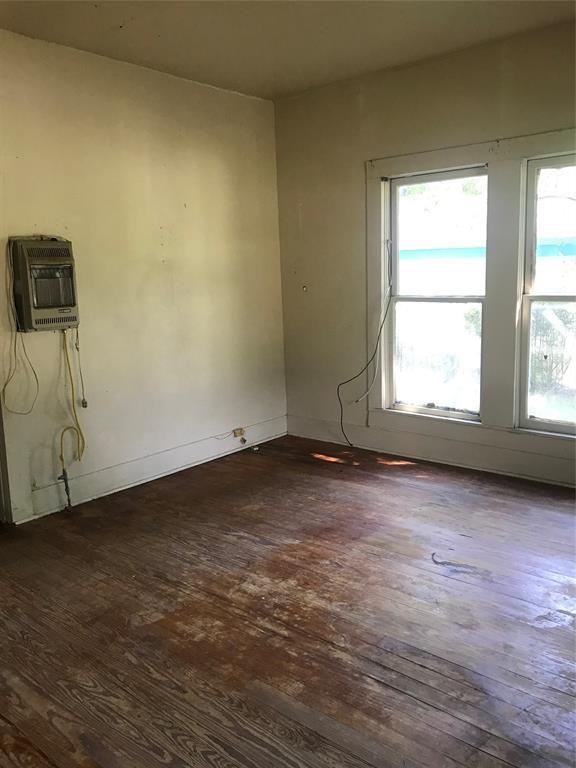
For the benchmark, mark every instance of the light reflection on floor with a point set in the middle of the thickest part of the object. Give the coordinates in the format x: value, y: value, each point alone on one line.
x: 352, y: 462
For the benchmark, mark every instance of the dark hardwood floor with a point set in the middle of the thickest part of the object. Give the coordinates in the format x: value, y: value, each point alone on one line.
x: 303, y: 605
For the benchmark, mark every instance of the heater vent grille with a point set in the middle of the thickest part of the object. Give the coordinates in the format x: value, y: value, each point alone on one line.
x: 53, y: 251
x: 61, y: 320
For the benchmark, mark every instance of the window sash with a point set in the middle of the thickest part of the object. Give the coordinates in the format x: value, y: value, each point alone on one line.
x: 534, y: 166
x: 391, y: 265
x: 528, y: 298
x: 419, y: 178
x: 389, y: 386
x: 526, y: 421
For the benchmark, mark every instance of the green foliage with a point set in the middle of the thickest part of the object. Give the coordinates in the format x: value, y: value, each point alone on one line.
x: 550, y: 355
x: 411, y: 190
x: 471, y: 187
x: 473, y: 320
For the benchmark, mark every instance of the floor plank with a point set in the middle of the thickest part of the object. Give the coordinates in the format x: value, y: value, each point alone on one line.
x: 303, y: 606
x: 17, y: 752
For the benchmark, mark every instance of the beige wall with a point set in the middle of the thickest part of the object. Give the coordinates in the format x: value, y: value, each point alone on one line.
x: 518, y: 86
x: 168, y: 191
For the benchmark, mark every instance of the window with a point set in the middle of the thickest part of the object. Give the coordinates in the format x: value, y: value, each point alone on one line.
x: 472, y: 293
x: 549, y: 301
x: 438, y: 237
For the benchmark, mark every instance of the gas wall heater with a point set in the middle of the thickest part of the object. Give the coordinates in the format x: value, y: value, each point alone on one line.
x: 44, y: 283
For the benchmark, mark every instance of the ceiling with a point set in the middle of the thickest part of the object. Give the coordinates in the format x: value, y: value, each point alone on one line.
x: 271, y: 49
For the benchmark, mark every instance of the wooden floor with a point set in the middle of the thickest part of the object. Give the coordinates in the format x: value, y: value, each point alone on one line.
x: 303, y: 605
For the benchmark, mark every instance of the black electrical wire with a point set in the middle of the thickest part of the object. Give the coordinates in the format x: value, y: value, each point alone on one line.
x: 376, y: 347
x: 353, y: 378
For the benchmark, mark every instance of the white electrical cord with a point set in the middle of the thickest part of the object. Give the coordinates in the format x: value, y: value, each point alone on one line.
x: 224, y: 435
x: 13, y: 350
x: 77, y: 345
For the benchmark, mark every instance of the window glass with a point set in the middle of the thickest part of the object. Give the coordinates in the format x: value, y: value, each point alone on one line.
x: 442, y: 237
x: 437, y: 355
x: 555, y: 269
x: 552, y: 374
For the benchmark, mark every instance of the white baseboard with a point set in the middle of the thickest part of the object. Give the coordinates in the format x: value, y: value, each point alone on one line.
x: 109, y: 480
x: 544, y: 458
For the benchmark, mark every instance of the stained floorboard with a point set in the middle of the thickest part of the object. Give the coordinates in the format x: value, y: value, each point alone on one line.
x: 303, y: 606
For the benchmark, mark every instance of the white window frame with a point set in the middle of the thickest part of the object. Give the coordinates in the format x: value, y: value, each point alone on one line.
x: 501, y: 359
x: 528, y: 297
x: 392, y: 253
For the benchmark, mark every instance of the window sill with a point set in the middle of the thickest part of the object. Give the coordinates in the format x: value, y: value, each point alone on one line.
x: 457, y: 418
x: 562, y: 435
x: 436, y: 413
x: 393, y: 420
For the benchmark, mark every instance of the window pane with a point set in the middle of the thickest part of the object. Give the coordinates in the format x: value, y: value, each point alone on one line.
x: 437, y: 355
x: 556, y: 231
x: 442, y: 237
x: 552, y: 389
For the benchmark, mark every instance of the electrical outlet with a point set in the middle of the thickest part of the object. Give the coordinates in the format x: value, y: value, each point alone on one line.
x: 239, y: 432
